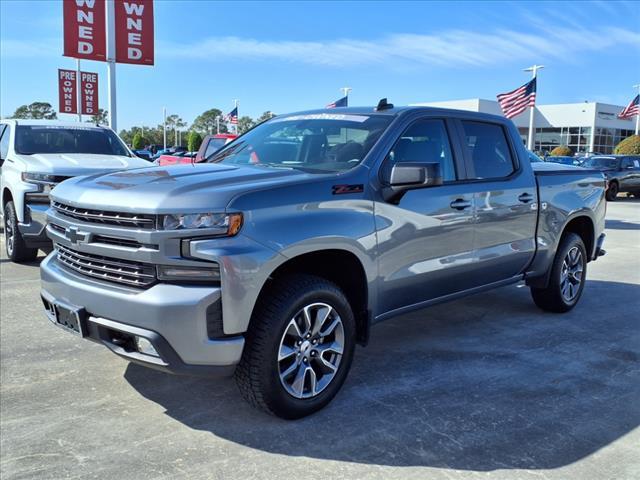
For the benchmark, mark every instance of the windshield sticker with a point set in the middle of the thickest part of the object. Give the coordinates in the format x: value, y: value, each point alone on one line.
x: 323, y: 116
x: 59, y: 127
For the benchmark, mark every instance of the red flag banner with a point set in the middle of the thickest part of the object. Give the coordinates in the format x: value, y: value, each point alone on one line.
x: 67, y: 93
x: 84, y: 29
x: 89, y: 93
x: 134, y: 31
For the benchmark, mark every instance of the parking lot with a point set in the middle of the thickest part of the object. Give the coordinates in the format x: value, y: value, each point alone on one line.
x: 485, y: 387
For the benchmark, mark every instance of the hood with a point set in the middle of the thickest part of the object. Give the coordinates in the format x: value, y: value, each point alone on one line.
x: 72, y: 164
x: 188, y: 188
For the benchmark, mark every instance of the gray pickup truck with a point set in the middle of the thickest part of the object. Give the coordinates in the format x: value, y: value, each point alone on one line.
x: 275, y: 258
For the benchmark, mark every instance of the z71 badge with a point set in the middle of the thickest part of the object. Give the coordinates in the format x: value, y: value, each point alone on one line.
x: 341, y: 189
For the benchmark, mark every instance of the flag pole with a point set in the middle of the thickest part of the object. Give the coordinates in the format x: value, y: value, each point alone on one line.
x: 638, y: 114
x: 346, y: 91
x: 534, y: 72
x: 164, y: 127
x: 111, y: 64
x: 237, y: 116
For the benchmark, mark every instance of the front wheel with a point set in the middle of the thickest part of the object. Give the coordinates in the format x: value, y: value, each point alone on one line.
x: 568, y: 274
x: 17, y: 251
x: 299, y: 347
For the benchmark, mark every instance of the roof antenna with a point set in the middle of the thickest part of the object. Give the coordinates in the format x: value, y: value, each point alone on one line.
x: 383, y: 105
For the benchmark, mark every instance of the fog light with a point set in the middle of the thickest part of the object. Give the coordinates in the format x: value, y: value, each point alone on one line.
x: 145, y: 347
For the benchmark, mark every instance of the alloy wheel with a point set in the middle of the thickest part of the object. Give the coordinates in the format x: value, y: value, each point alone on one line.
x: 571, y: 274
x: 310, y: 350
x: 9, y: 235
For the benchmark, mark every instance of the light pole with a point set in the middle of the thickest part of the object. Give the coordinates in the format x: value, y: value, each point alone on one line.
x: 637, y: 115
x: 78, y: 92
x: 164, y: 127
x: 534, y: 72
x: 111, y: 64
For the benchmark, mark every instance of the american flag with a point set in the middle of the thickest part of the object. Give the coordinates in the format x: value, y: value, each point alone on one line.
x: 632, y: 109
x: 515, y: 102
x: 232, y: 116
x: 338, y: 103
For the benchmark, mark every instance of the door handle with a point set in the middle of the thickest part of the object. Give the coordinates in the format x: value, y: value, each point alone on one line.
x: 460, y: 204
x: 526, y: 198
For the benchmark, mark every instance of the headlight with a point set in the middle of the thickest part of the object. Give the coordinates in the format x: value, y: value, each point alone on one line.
x: 225, y: 224
x: 31, y: 177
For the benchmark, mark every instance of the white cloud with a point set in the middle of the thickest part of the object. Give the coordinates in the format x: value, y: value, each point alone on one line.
x: 450, y: 48
x: 454, y: 48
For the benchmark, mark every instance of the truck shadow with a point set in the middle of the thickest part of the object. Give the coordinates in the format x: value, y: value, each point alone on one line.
x: 621, y: 225
x: 484, y: 383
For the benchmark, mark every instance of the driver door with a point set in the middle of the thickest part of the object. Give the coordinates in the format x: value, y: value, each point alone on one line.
x: 425, y: 240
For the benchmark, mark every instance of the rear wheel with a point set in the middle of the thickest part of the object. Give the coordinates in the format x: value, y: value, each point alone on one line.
x: 568, y: 274
x: 299, y: 347
x: 17, y: 250
x: 612, y: 191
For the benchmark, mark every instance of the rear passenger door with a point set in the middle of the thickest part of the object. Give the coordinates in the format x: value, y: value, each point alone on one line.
x: 505, y: 199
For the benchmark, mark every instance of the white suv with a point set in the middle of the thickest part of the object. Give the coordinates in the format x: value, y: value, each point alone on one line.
x: 35, y: 155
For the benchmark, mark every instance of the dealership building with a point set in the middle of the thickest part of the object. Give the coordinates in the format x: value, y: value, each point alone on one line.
x: 584, y: 127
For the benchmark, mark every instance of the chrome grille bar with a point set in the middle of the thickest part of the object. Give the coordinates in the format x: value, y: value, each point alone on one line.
x: 109, y: 269
x: 105, y: 217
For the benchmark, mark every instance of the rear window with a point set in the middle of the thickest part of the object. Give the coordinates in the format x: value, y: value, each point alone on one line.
x: 51, y: 139
x: 488, y: 149
x: 214, y: 145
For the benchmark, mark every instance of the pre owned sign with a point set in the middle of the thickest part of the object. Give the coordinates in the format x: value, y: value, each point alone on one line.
x: 134, y: 31
x: 84, y: 29
x: 68, y: 93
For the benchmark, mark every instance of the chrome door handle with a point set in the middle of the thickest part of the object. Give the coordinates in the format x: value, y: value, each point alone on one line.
x: 460, y: 204
x: 526, y: 198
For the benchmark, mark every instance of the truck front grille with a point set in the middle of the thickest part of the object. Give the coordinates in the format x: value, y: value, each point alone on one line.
x: 121, y: 219
x: 114, y: 270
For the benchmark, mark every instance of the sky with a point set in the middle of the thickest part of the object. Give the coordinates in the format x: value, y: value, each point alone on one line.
x: 290, y: 56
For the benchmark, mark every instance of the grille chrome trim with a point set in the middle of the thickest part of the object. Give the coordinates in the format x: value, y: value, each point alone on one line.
x: 105, y: 268
x: 105, y: 217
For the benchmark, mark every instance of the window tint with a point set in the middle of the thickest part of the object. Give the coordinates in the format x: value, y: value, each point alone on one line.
x: 488, y: 149
x: 425, y: 141
x: 4, y: 142
x: 54, y: 139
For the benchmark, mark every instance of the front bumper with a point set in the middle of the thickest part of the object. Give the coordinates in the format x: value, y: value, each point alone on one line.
x: 171, y: 317
x: 33, y: 230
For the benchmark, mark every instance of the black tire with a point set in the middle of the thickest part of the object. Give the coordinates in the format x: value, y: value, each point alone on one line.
x: 16, y: 249
x: 612, y: 191
x: 258, y: 374
x: 551, y: 298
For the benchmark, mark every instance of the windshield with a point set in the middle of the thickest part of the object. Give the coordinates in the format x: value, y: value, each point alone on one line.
x: 52, y: 139
x: 601, y: 162
x: 312, y: 142
x: 214, y: 145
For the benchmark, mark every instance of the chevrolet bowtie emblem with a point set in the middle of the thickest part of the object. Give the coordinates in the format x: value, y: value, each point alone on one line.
x: 72, y: 234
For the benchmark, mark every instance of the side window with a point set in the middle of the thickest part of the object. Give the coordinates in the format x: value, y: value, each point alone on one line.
x: 488, y: 150
x: 626, y: 163
x: 4, y: 142
x: 426, y: 141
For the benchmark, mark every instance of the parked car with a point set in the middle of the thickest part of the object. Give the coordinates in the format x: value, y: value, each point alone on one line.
x: 622, y: 173
x: 35, y: 155
x: 144, y: 154
x: 564, y: 160
x: 273, y: 260
x: 175, y: 159
x: 533, y: 158
x: 212, y: 143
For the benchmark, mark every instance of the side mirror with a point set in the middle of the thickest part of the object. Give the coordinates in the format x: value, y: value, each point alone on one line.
x: 405, y: 176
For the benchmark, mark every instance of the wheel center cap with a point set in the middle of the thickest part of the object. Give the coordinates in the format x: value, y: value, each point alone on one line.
x: 306, y: 345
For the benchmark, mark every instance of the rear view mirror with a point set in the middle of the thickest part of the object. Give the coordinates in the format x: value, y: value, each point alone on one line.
x: 407, y: 176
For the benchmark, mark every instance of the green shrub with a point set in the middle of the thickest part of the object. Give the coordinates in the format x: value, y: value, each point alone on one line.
x: 561, y: 151
x: 193, y: 141
x: 138, y: 141
x: 628, y: 146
